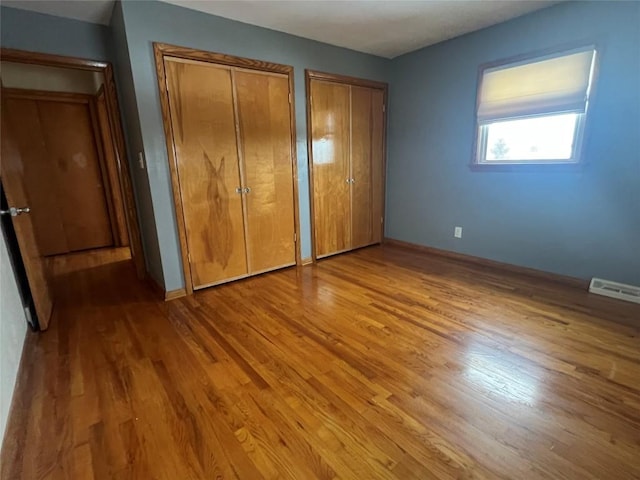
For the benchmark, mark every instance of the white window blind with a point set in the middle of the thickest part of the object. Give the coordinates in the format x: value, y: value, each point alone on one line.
x: 536, y: 87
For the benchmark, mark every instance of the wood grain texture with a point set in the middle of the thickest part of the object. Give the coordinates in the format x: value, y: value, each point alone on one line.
x: 265, y: 134
x: 58, y: 133
x: 330, y: 152
x: 111, y: 163
x: 12, y: 168
x: 365, y: 137
x: 237, y: 65
x: 104, y: 170
x: 378, y: 165
x: 203, y: 131
x: 163, y: 49
x: 37, y: 174
x: 38, y: 58
x: 384, y: 363
x: 345, y: 79
x: 80, y: 189
x: 361, y: 167
x: 124, y: 173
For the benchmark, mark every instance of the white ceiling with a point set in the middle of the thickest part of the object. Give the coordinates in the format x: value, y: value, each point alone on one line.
x: 385, y: 28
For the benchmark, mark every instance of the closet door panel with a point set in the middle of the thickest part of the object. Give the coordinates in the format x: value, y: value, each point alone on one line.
x: 81, y: 194
x: 265, y: 139
x: 377, y: 164
x: 361, y: 167
x: 203, y: 124
x: 330, y: 151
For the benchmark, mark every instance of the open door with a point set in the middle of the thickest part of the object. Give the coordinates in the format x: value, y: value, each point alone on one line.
x: 11, y: 168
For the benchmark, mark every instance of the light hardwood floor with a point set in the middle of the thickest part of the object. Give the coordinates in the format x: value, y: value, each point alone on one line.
x: 382, y: 363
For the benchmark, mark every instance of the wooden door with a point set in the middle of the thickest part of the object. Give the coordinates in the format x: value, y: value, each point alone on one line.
x: 361, y: 167
x: 81, y: 194
x: 377, y: 164
x: 38, y: 174
x: 367, y: 122
x: 11, y: 169
x: 330, y: 144
x: 267, y: 164
x: 62, y: 171
x: 204, y: 135
x: 112, y: 167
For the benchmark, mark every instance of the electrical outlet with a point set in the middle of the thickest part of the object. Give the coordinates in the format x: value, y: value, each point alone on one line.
x: 457, y: 232
x: 141, y: 160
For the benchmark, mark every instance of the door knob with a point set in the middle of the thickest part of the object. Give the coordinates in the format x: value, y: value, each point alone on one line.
x: 239, y: 190
x: 247, y: 190
x: 14, y: 212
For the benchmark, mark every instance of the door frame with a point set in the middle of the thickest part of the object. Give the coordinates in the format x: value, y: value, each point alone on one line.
x: 352, y: 81
x: 162, y: 50
x: 113, y: 111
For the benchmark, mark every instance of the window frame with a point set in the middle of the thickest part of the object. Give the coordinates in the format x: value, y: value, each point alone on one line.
x: 577, y: 161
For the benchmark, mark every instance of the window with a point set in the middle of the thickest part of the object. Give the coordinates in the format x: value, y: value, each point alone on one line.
x: 533, y: 111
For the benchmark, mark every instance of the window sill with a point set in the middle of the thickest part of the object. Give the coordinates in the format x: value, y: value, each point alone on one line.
x: 527, y: 167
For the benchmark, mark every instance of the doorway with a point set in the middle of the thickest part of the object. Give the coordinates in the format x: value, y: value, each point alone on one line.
x: 64, y: 167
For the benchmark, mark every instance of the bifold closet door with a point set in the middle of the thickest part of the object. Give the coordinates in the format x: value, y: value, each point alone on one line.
x: 366, y: 165
x: 377, y: 164
x: 347, y: 149
x: 330, y: 132
x: 203, y: 123
x: 361, y: 167
x: 265, y: 141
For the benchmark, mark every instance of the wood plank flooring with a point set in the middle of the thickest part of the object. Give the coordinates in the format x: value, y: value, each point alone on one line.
x: 382, y: 363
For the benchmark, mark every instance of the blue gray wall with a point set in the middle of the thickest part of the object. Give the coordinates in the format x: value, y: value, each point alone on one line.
x: 582, y: 224
x: 133, y: 138
x: 148, y: 22
x: 36, y: 32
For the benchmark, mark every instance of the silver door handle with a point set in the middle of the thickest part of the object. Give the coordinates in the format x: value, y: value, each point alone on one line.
x: 247, y: 190
x: 239, y: 190
x: 353, y: 180
x: 14, y: 212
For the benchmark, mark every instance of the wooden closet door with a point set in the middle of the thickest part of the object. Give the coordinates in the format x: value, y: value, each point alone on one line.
x: 266, y: 157
x: 330, y: 153
x: 80, y: 188
x: 204, y: 135
x: 377, y: 164
x: 361, y: 167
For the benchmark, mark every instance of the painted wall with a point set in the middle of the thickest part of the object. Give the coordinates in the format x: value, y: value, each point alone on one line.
x: 37, y: 32
x: 133, y: 139
x: 581, y: 224
x: 146, y: 22
x: 13, y: 328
